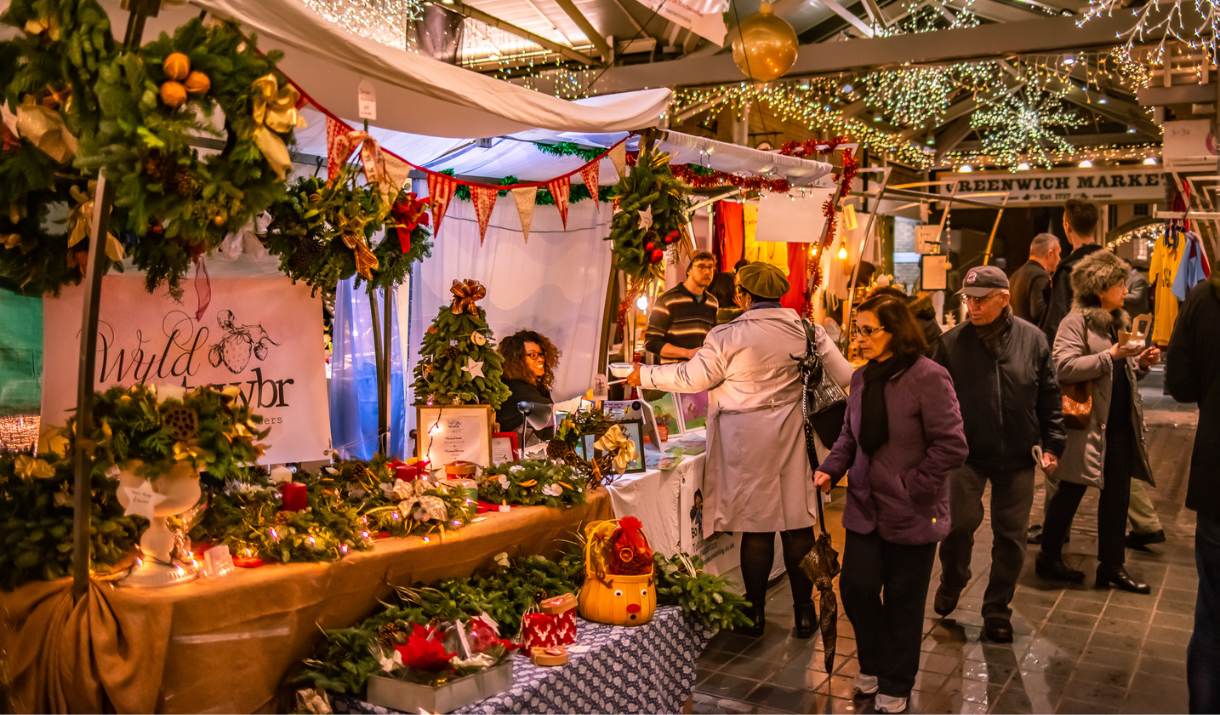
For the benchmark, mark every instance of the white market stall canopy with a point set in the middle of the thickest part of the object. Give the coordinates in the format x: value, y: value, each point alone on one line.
x: 414, y: 93
x: 516, y: 155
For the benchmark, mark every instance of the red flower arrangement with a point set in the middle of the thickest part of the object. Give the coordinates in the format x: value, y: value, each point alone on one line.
x: 423, y: 653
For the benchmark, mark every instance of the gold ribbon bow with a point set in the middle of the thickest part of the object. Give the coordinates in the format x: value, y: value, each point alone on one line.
x: 351, y: 230
x: 465, y: 294
x: 45, y: 129
x: 616, y: 441
x: 28, y: 467
x: 80, y: 219
x: 275, y: 113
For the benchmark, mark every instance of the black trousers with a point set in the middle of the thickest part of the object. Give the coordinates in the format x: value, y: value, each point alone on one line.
x: 1111, y: 508
x: 884, y: 587
x: 758, y: 554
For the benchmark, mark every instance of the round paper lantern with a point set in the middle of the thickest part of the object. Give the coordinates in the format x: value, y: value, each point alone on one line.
x: 764, y: 45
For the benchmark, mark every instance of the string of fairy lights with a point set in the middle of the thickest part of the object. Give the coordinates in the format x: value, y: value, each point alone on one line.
x: 1021, y: 127
x: 383, y: 21
x: 1172, y: 21
x: 1147, y: 153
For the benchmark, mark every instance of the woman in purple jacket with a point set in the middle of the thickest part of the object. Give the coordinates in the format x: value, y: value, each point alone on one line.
x: 902, y: 436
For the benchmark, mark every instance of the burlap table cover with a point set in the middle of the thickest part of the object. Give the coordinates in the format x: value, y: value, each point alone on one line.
x: 227, y: 645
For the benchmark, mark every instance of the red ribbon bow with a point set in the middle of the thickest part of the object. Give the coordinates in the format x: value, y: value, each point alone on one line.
x: 409, y: 212
x: 631, y: 536
x: 465, y: 294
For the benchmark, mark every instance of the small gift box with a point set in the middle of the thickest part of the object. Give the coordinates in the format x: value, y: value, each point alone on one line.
x: 538, y: 630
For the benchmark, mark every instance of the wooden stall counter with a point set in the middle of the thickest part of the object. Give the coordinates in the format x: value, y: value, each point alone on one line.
x: 227, y: 645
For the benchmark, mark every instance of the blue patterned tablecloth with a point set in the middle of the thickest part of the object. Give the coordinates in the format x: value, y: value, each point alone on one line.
x: 612, y: 669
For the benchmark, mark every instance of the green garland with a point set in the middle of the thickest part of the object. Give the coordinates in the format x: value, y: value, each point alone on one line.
x: 576, y: 193
x: 205, y: 429
x: 651, y: 187
x: 532, y: 483
x: 306, y: 233
x: 564, y: 149
x: 345, y: 660
x: 37, y: 517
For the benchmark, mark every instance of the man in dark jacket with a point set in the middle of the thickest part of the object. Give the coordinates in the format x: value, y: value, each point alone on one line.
x: 1031, y: 283
x: 1005, y: 384
x: 1080, y: 225
x: 1192, y: 374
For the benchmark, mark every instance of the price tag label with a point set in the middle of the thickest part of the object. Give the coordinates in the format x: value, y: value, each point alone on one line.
x: 368, y: 100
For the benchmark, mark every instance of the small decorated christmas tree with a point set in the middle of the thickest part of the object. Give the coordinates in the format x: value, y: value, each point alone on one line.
x: 459, y: 364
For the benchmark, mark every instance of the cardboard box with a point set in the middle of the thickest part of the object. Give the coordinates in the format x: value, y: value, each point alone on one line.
x: 455, y: 694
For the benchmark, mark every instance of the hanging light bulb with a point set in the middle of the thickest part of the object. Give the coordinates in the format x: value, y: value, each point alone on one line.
x: 1086, y: 164
x: 843, y: 254
x: 965, y: 169
x: 1023, y: 166
x: 1150, y: 161
x: 642, y: 303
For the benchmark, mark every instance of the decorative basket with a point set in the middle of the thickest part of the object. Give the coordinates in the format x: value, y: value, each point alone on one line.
x: 614, y: 599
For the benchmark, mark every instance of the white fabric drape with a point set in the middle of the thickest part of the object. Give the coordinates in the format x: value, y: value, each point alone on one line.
x: 555, y: 284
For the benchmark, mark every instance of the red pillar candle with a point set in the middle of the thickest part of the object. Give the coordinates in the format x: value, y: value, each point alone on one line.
x: 295, y: 497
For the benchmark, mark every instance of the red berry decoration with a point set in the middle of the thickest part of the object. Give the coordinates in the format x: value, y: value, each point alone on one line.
x: 649, y: 246
x: 657, y: 255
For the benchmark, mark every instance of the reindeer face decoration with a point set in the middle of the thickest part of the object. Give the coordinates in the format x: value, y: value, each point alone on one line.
x: 238, y: 344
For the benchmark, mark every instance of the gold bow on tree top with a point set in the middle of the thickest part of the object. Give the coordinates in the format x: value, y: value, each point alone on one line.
x: 28, y: 467
x: 617, y: 442
x: 275, y: 113
x: 350, y: 227
x: 465, y: 294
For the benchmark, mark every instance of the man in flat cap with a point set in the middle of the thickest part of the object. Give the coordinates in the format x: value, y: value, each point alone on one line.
x: 757, y: 479
x: 1005, y: 384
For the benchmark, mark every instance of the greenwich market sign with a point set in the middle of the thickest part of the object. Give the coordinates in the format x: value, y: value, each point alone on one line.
x: 1135, y: 184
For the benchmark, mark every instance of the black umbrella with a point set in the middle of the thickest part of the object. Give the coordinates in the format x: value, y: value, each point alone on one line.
x: 821, y: 564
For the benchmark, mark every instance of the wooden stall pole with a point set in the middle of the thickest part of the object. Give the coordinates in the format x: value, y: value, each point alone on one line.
x: 995, y: 227
x: 378, y: 362
x: 82, y: 503
x: 387, y: 370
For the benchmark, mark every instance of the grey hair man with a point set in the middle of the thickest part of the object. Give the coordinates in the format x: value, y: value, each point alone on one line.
x: 1031, y: 283
x: 1005, y: 384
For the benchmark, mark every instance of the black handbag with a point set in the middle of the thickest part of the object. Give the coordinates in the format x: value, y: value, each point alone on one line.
x: 823, y: 402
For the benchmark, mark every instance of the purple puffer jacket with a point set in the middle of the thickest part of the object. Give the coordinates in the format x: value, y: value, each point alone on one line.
x: 902, y: 491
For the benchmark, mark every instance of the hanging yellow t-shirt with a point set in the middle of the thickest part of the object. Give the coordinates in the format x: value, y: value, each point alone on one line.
x: 1161, y: 272
x: 773, y: 252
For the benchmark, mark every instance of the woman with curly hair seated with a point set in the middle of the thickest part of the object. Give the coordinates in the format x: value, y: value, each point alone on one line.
x: 529, y: 371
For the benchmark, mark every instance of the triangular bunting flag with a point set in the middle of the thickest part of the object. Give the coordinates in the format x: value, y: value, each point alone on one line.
x: 398, y: 171
x: 374, y: 163
x: 484, y: 198
x: 525, y: 208
x: 590, y: 174
x: 561, y: 189
x: 618, y: 155
x: 441, y: 188
x: 338, y: 150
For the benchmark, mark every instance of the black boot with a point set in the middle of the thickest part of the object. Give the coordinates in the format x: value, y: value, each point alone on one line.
x: 758, y: 615
x: 1118, y: 576
x: 1056, y: 570
x: 806, y: 620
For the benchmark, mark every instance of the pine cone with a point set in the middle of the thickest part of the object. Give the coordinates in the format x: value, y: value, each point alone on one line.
x: 184, y: 183
x: 451, y: 352
x: 159, y: 167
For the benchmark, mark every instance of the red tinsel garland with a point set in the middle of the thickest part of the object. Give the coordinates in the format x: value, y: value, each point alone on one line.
x: 721, y: 178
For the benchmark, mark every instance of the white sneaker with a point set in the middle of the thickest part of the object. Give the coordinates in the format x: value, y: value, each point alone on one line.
x: 866, y: 684
x: 888, y: 704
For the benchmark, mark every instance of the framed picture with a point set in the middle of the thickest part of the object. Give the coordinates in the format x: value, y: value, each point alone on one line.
x: 693, y: 410
x: 504, y: 447
x: 634, y: 429
x: 666, y: 411
x: 932, y: 272
x: 627, y: 410
x: 585, y: 449
x: 451, y: 433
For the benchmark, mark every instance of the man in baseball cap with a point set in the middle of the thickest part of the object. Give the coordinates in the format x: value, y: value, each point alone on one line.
x: 1007, y: 409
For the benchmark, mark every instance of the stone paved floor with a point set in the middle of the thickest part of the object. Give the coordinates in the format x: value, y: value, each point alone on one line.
x: 1076, y: 650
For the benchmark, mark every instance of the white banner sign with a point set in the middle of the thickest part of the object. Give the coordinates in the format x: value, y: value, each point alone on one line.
x: 1120, y: 184
x: 262, y: 335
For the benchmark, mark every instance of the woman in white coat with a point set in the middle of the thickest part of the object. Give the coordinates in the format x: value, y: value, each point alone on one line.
x: 758, y: 479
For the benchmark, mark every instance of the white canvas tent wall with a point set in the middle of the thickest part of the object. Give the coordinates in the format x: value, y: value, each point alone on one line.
x: 414, y: 93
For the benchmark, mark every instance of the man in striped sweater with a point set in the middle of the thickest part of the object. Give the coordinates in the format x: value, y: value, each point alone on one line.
x: 683, y: 314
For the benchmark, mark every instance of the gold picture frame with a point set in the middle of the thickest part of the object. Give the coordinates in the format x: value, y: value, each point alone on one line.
x: 450, y: 433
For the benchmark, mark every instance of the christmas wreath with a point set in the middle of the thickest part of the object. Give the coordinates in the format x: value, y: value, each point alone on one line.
x: 322, y: 233
x: 48, y: 71
x: 154, y: 101
x: 37, y: 517
x: 651, y: 217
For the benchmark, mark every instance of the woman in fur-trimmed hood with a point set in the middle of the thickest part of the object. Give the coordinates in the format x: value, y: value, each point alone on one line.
x: 1108, y: 448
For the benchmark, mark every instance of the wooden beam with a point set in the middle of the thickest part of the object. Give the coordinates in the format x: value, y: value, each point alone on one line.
x: 586, y: 27
x: 851, y: 17
x: 975, y: 43
x: 474, y: 13
x: 947, y: 142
